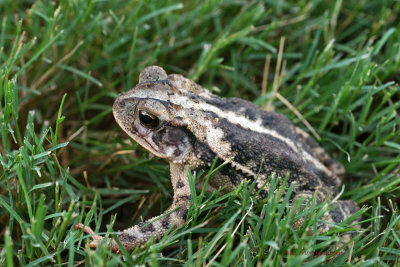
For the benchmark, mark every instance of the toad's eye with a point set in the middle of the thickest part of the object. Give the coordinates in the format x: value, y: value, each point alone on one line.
x: 148, y: 120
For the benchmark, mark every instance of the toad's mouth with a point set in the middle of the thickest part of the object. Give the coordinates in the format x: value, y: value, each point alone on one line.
x: 141, y: 141
x: 146, y: 145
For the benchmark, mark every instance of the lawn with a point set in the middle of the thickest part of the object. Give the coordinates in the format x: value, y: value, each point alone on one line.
x: 332, y: 67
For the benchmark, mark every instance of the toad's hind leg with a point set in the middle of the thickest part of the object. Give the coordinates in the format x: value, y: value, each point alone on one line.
x: 334, y: 166
x: 155, y: 227
x: 342, y: 210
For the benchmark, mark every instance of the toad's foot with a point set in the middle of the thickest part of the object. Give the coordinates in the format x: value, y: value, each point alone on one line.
x: 96, y: 238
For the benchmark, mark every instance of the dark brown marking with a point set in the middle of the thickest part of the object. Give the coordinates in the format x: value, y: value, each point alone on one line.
x: 329, y: 162
x: 146, y: 228
x: 336, y: 214
x: 184, y: 197
x: 166, y: 222
x: 128, y: 239
x: 174, y: 136
x: 183, y: 213
x: 324, y: 155
x: 180, y: 184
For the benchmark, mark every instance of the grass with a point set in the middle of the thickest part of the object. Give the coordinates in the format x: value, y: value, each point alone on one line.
x: 332, y: 64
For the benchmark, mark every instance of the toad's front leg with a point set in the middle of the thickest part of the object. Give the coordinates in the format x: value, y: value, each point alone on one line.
x: 155, y: 227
